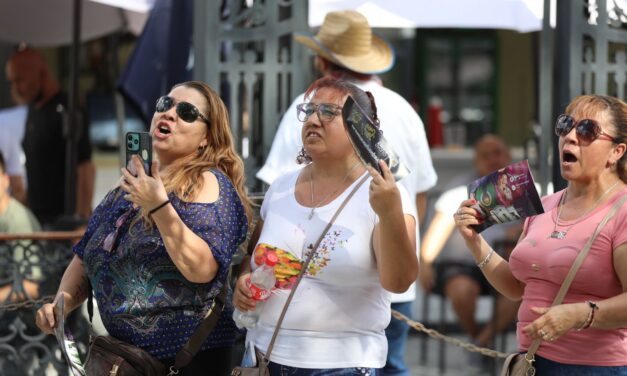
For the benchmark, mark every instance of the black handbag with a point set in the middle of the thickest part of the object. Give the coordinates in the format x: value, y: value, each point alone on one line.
x: 261, y: 369
x: 109, y: 356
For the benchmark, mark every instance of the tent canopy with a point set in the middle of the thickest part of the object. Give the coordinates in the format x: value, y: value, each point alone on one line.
x: 520, y: 15
x: 49, y: 23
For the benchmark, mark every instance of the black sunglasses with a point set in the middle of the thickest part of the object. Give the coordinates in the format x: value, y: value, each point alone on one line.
x: 186, y: 111
x: 326, y: 111
x: 587, y: 130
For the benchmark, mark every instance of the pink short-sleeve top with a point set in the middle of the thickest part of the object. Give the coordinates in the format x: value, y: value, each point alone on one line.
x: 542, y: 262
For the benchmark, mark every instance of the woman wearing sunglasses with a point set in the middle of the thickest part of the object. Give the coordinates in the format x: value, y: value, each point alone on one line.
x: 335, y: 323
x: 585, y: 335
x: 157, y: 249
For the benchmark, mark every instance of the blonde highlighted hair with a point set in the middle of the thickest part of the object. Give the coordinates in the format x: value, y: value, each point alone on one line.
x: 184, y: 176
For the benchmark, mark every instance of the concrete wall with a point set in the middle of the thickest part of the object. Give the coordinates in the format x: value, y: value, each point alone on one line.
x: 516, y: 86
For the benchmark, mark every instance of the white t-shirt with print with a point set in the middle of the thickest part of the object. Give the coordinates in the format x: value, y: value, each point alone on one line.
x: 401, y: 126
x: 339, y: 312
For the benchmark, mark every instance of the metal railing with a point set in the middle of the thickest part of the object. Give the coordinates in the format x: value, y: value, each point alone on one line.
x: 31, y: 267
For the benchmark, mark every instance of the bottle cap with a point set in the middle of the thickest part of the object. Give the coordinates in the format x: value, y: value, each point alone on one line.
x: 271, y: 259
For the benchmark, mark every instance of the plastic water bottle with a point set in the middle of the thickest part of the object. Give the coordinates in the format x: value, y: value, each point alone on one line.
x: 250, y: 358
x: 261, y: 283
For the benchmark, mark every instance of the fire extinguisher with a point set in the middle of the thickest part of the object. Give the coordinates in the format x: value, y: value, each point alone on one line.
x: 434, y: 122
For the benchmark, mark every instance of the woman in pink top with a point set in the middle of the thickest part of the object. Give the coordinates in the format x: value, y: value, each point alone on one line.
x: 587, y: 333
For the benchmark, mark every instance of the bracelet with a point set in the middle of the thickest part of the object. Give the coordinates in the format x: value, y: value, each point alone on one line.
x: 586, y: 324
x: 164, y: 203
x: 486, y: 260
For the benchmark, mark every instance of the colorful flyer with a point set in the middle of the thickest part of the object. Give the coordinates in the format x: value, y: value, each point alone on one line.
x: 505, y: 195
x: 66, y: 340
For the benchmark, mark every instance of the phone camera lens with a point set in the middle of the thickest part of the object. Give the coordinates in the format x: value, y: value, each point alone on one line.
x: 129, y: 137
x: 136, y: 141
x: 130, y: 145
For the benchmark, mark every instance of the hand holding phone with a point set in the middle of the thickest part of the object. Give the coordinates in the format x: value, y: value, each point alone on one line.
x: 139, y: 143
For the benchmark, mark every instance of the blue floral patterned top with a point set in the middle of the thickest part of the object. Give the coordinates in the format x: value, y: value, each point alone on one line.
x: 142, y: 297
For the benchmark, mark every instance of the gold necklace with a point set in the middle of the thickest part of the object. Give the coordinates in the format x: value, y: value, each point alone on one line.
x: 562, y: 234
x: 311, y: 189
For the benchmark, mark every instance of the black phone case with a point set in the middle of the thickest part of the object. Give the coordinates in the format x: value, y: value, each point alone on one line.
x: 368, y: 140
x: 139, y: 143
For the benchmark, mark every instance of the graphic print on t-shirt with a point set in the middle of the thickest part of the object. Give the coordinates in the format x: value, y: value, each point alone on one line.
x: 289, y: 265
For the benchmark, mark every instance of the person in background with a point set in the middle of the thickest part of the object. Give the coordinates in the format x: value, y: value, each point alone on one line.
x: 21, y: 278
x: 335, y: 323
x: 12, y: 122
x: 15, y: 218
x: 346, y: 48
x: 443, y: 249
x: 44, y: 143
x: 587, y: 333
x: 157, y: 249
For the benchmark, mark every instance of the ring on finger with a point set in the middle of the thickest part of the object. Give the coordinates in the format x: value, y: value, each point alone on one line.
x: 542, y: 333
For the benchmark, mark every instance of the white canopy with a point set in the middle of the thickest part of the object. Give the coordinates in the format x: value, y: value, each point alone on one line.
x: 520, y: 15
x: 48, y: 23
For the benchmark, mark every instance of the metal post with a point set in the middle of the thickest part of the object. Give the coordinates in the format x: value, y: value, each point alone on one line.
x: 6, y: 50
x: 546, y: 96
x: 118, y: 100
x: 72, y: 116
x: 565, y: 58
x: 206, y: 42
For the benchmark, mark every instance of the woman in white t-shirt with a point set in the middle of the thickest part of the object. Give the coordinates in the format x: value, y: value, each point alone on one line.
x: 335, y: 323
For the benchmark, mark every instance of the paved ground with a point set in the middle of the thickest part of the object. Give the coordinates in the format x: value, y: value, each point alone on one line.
x: 426, y: 363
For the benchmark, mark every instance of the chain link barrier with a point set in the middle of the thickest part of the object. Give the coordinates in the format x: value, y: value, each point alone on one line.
x: 27, y: 304
x: 450, y: 340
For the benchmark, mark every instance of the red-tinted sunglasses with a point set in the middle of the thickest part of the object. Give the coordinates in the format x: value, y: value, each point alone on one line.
x: 109, y: 240
x: 587, y: 130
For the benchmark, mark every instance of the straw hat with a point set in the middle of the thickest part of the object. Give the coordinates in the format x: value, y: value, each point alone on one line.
x: 346, y: 39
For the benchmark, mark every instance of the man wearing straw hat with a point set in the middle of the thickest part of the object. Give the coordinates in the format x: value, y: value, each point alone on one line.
x: 346, y: 48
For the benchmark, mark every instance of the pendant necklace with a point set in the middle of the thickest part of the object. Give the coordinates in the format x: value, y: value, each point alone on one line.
x: 311, y: 188
x: 562, y: 234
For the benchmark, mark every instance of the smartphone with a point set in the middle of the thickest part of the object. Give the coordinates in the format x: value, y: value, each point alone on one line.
x: 139, y: 143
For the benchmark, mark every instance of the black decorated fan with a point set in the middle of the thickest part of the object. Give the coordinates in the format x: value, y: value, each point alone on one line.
x: 368, y: 140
